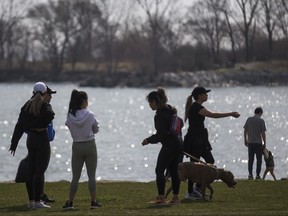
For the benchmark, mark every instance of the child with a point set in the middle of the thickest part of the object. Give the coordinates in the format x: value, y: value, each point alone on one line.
x: 268, y: 157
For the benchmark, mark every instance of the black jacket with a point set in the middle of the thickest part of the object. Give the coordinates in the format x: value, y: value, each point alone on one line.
x: 162, y: 121
x: 27, y: 121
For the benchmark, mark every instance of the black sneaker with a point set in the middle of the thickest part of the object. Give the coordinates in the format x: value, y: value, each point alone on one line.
x: 250, y: 177
x: 68, y: 205
x: 46, y: 199
x: 95, y: 205
x: 257, y: 177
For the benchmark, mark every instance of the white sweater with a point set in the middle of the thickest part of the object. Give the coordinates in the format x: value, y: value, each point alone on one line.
x: 83, y: 126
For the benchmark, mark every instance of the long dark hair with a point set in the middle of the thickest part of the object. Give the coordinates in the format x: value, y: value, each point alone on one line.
x: 76, y: 101
x: 159, y: 96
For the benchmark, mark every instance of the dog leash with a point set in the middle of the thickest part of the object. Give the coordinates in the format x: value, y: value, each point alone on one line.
x: 194, y: 158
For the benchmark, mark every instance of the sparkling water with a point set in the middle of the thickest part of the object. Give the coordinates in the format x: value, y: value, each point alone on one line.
x: 126, y: 119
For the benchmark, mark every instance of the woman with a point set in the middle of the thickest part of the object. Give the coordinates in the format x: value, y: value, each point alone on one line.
x: 168, y: 155
x: 34, y: 118
x: 196, y: 141
x: 82, y: 125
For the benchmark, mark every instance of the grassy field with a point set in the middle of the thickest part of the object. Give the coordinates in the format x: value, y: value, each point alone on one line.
x: 130, y: 198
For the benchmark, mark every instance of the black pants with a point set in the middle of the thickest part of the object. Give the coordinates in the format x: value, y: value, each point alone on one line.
x: 167, y: 159
x: 208, y: 157
x: 198, y: 146
x: 254, y: 148
x: 38, y: 159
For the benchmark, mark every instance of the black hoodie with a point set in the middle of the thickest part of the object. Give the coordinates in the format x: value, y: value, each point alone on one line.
x: 162, y: 121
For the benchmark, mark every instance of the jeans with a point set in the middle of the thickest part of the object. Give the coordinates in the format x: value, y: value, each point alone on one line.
x: 254, y: 148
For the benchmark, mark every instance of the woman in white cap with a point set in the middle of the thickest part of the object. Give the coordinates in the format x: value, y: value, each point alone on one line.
x: 34, y: 118
x: 196, y: 141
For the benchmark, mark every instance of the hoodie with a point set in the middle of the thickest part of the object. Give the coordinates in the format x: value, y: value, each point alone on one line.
x: 162, y: 122
x: 83, y: 126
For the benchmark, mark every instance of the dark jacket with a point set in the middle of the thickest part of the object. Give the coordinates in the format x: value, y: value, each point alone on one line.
x: 162, y: 122
x: 27, y: 122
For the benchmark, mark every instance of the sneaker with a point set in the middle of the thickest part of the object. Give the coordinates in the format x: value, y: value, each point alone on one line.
x: 46, y: 199
x: 68, y: 205
x: 193, y: 196
x: 39, y: 205
x: 158, y: 200
x: 257, y: 177
x: 30, y: 205
x: 175, y: 201
x: 95, y: 205
x: 250, y: 177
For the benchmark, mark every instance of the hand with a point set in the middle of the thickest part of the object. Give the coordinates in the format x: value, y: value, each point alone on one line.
x: 12, y: 151
x: 235, y: 114
x: 145, y: 142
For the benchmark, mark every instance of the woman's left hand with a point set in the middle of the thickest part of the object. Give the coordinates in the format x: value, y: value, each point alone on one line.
x: 145, y: 142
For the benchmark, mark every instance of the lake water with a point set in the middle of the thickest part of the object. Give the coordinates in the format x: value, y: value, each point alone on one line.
x: 126, y: 119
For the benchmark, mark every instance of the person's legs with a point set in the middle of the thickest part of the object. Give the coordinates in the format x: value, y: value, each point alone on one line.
x: 259, y: 155
x: 91, y: 165
x: 161, y: 166
x: 77, y: 163
x: 250, y: 159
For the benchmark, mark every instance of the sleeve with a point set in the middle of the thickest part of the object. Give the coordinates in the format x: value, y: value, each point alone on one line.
x: 17, y: 134
x: 95, y: 126
x: 162, y: 129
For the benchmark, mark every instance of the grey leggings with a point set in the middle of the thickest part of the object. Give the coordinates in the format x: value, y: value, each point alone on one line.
x: 83, y: 152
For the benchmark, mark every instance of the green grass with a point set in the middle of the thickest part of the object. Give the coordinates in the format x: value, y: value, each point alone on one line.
x: 130, y: 198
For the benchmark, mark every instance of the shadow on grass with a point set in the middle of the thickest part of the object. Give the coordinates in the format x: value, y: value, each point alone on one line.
x: 19, y: 208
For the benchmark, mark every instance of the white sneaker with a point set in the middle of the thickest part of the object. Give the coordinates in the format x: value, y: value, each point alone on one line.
x: 30, y: 204
x: 193, y: 196
x: 39, y: 205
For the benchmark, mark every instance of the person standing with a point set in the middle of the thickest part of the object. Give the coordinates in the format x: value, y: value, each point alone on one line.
x: 82, y: 125
x: 196, y: 141
x: 34, y: 118
x: 169, y: 153
x: 255, y: 140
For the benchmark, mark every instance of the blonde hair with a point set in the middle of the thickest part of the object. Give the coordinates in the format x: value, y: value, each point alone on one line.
x: 188, y: 104
x: 34, y: 104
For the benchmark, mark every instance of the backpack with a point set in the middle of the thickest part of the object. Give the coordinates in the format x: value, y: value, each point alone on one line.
x: 176, y: 126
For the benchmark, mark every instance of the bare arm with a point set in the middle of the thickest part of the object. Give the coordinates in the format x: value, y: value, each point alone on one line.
x: 209, y: 114
x: 245, y: 137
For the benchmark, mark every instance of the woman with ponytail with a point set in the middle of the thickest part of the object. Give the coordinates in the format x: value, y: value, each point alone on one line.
x: 34, y: 118
x: 196, y: 141
x: 83, y: 125
x: 168, y: 155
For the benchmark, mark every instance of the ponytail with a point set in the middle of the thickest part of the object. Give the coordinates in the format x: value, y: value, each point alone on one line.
x: 34, y: 105
x: 187, y: 107
x: 76, y: 101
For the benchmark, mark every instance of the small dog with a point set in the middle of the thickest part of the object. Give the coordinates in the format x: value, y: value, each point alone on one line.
x: 269, y: 161
x: 205, y: 175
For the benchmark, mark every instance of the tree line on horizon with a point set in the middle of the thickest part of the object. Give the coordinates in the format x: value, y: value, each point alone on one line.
x: 144, y: 36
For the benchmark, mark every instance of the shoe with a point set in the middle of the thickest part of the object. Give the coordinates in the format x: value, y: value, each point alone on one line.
x: 193, y: 196
x: 46, y: 199
x: 174, y: 201
x: 68, y: 205
x: 30, y: 205
x: 39, y: 205
x: 158, y: 200
x: 95, y: 205
x: 250, y: 177
x: 257, y: 177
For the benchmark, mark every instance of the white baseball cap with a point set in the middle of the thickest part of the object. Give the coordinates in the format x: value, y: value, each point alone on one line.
x: 39, y: 87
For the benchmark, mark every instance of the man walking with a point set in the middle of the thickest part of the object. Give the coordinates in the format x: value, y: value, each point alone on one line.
x: 255, y: 140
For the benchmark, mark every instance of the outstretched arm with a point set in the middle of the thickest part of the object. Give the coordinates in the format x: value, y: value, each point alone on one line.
x: 209, y: 114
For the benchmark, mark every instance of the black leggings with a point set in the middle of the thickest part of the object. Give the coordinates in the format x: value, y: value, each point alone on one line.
x: 206, y: 154
x: 167, y: 159
x: 38, y: 159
